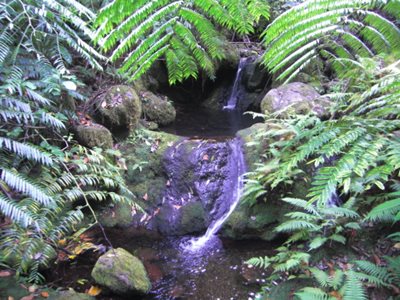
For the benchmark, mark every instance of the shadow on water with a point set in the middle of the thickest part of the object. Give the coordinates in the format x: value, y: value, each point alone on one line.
x: 196, y: 121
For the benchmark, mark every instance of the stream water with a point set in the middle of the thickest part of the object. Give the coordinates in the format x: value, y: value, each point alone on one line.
x: 204, y: 267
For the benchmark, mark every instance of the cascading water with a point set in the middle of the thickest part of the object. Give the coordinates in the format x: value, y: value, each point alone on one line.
x: 232, y: 191
x: 234, y: 96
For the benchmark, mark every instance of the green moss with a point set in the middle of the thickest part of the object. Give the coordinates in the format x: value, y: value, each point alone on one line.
x: 158, y: 109
x: 119, y: 214
x: 119, y: 108
x: 121, y: 272
x: 94, y: 135
x: 193, y: 217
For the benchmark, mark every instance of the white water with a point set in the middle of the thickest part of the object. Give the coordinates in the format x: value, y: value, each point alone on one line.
x: 233, y: 98
x: 236, y: 189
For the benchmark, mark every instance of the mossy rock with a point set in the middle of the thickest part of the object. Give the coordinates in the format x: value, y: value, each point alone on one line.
x: 119, y: 108
x: 121, y: 272
x: 158, y: 109
x: 118, y: 214
x: 94, y: 135
x: 296, y: 97
x: 71, y: 295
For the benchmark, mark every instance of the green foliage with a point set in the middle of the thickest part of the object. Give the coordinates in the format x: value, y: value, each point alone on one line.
x: 47, y: 30
x: 330, y: 29
x: 352, y: 152
x: 184, y: 33
x: 46, y: 182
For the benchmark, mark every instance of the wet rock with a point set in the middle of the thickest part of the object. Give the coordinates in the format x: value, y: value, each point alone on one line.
x: 118, y: 108
x: 215, y: 102
x: 250, y: 274
x: 158, y: 109
x: 296, y: 98
x: 201, y: 175
x: 255, y: 76
x: 121, y: 272
x: 94, y: 135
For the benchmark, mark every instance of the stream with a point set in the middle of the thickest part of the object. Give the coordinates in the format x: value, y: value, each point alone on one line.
x: 193, y: 267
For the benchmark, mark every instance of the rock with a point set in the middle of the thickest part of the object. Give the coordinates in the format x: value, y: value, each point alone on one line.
x: 255, y: 76
x: 296, y: 98
x: 72, y: 295
x: 94, y: 135
x: 158, y: 109
x: 215, y: 101
x: 145, y: 174
x: 118, y: 108
x: 121, y: 272
x: 116, y: 215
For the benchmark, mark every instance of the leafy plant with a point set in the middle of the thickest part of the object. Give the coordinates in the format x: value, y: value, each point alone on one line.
x: 330, y: 29
x: 183, y: 32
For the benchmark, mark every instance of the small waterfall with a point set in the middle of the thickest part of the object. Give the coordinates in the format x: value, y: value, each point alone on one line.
x: 234, y: 97
x: 232, y: 194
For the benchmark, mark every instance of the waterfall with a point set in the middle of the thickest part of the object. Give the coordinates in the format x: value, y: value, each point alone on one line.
x: 233, y: 98
x: 232, y: 194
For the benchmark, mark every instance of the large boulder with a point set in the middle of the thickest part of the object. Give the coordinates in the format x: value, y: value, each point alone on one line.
x: 158, y: 109
x: 94, y: 135
x: 118, y: 108
x: 296, y: 98
x: 121, y: 272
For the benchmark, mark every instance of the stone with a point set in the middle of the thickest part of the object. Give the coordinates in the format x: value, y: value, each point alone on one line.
x: 118, y: 108
x: 296, y: 98
x: 121, y: 272
x: 71, y: 295
x: 158, y: 109
x: 255, y: 76
x: 94, y: 135
x: 116, y: 215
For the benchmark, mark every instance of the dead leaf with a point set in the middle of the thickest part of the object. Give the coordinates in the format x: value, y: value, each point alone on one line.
x: 94, y: 291
x: 44, y: 294
x: 29, y: 297
x: 32, y: 288
x: 176, y: 206
x: 104, y: 104
x: 377, y: 259
x: 205, y: 157
x: 86, y: 160
x: 145, y: 197
x: 10, y: 298
x: 168, y: 183
x: 5, y: 273
x: 397, y: 246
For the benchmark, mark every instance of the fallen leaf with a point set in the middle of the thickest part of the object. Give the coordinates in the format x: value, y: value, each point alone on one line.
x: 44, y: 294
x: 168, y: 183
x: 86, y: 160
x: 10, y: 298
x: 397, y: 246
x: 94, y: 291
x: 176, y: 206
x: 104, y: 104
x: 205, y: 157
x: 5, y: 273
x: 29, y: 297
x: 145, y: 197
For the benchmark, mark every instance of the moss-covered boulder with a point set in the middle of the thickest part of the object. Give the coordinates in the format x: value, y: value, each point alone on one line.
x: 94, y: 135
x: 121, y: 272
x: 118, y: 108
x: 116, y: 215
x: 158, y: 109
x: 145, y: 176
x: 296, y: 98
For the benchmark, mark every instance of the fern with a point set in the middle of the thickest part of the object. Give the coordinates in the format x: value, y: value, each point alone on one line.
x: 339, y: 29
x: 182, y: 32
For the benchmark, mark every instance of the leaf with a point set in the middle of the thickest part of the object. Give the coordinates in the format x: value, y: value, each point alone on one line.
x: 44, y: 294
x: 70, y: 85
x: 94, y: 291
x: 5, y: 273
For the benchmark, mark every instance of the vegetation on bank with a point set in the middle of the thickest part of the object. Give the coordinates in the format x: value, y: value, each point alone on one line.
x: 48, y: 182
